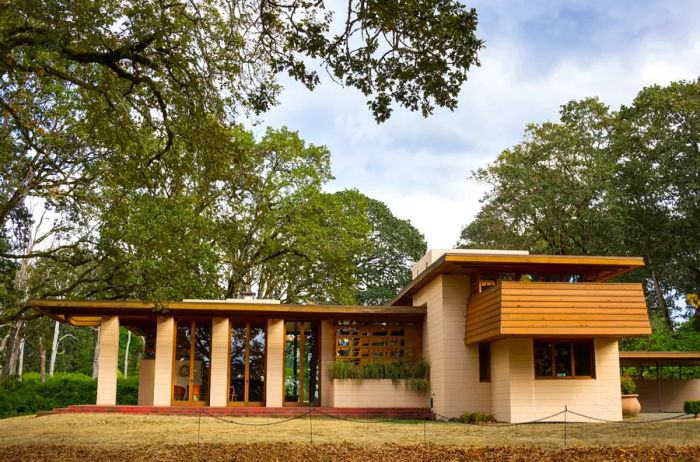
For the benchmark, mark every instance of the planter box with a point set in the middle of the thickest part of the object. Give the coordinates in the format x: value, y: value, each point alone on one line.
x: 376, y: 394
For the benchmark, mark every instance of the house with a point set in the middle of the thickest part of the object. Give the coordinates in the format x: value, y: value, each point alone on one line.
x: 514, y: 335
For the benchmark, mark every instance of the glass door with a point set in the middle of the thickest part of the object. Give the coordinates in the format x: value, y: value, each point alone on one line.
x: 301, y: 359
x: 191, y: 363
x: 247, y: 364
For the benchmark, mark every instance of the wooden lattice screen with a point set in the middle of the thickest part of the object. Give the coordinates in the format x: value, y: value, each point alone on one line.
x: 363, y: 342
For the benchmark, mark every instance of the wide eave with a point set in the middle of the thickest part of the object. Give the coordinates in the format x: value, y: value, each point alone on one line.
x: 90, y: 312
x: 604, y: 268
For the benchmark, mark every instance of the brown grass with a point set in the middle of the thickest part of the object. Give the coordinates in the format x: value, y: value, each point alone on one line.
x: 120, y: 431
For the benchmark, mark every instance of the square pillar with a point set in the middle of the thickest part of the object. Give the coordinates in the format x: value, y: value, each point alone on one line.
x: 327, y: 358
x: 218, y: 393
x: 274, y: 363
x: 163, y: 373
x: 107, y: 361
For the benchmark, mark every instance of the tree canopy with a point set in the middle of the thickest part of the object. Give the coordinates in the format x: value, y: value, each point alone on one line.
x: 605, y: 182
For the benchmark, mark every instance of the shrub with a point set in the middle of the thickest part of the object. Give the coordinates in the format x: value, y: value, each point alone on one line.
x: 692, y: 407
x: 474, y: 418
x: 627, y: 385
x: 128, y: 390
x: 31, y: 395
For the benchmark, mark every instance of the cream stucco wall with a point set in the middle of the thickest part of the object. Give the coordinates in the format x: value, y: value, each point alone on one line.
x: 146, y: 376
x: 274, y: 366
x: 107, y: 361
x: 327, y: 358
x: 454, y: 367
x: 163, y: 371
x: 671, y: 394
x: 376, y: 394
x: 519, y: 397
x: 219, y: 362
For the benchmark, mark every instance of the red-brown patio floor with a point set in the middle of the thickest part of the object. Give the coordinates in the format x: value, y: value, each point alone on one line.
x: 400, y: 413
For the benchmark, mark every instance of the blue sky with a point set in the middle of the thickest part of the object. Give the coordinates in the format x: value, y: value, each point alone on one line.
x: 538, y: 56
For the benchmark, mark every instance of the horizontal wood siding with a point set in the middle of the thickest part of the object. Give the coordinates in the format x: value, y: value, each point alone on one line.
x: 557, y: 309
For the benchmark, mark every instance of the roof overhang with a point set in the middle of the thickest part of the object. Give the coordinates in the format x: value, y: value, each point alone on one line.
x: 659, y: 358
x: 90, y: 312
x: 604, y: 268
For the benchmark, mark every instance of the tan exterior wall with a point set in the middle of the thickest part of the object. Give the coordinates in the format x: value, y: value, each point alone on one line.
x: 376, y: 394
x: 274, y: 376
x: 146, y: 375
x: 163, y: 371
x: 218, y: 392
x: 327, y: 358
x: 670, y: 394
x: 107, y: 361
x: 519, y: 397
x: 454, y: 367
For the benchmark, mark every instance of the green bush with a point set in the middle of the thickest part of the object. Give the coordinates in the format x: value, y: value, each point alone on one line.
x: 128, y: 390
x: 627, y: 385
x: 474, y: 418
x: 31, y: 395
x: 692, y: 407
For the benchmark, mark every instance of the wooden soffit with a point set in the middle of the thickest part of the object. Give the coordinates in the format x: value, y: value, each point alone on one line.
x: 659, y: 358
x: 604, y: 268
x: 90, y: 312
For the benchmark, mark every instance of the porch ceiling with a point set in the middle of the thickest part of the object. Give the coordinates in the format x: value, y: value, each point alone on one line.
x: 89, y: 312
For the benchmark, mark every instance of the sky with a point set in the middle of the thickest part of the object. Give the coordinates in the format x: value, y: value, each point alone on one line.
x: 538, y: 55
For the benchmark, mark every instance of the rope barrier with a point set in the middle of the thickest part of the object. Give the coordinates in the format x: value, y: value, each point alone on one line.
x: 265, y: 424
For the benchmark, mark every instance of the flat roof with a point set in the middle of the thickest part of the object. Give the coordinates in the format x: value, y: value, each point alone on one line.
x: 659, y: 358
x: 89, y: 312
x: 456, y: 262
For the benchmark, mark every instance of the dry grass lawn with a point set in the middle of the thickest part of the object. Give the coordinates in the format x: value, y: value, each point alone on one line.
x: 120, y: 431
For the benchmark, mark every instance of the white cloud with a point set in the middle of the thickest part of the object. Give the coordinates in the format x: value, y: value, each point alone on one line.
x: 419, y: 167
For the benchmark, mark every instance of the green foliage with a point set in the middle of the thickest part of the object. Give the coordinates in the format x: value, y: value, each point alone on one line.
x: 627, y: 385
x: 31, y: 395
x: 474, y: 418
x: 128, y: 390
x: 416, y: 375
x: 692, y: 407
x: 601, y: 182
x: 63, y: 389
x: 385, y: 267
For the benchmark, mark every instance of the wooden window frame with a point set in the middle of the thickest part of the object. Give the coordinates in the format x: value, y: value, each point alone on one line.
x: 246, y: 402
x: 571, y: 342
x: 370, y: 353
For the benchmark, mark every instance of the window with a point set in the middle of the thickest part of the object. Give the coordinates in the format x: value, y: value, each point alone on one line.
x: 562, y: 359
x: 484, y: 362
x: 362, y: 342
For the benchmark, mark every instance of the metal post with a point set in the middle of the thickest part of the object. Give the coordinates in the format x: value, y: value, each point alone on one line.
x: 199, y: 425
x: 658, y: 386
x: 566, y: 411
x: 311, y: 428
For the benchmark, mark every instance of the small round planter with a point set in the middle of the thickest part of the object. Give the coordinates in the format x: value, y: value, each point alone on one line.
x: 630, y: 406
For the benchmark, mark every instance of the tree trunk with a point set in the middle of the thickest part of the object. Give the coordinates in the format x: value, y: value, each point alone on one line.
x: 42, y: 359
x: 126, y: 352
x: 13, y: 350
x: 97, y: 354
x: 54, y: 348
x: 661, y: 301
x: 20, y: 368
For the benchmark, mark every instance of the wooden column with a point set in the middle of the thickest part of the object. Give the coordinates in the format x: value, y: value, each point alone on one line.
x: 163, y: 376
x: 107, y: 361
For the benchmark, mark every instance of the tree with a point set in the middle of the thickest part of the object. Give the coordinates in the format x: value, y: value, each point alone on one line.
x: 386, y: 267
x: 602, y: 182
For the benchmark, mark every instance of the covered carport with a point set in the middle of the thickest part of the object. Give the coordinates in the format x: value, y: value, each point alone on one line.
x: 664, y: 394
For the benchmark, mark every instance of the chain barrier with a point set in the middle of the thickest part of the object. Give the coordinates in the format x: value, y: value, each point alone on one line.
x: 312, y: 411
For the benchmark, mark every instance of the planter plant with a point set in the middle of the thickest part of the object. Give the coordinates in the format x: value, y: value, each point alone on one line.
x: 630, y: 402
x: 416, y: 375
x: 692, y: 407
